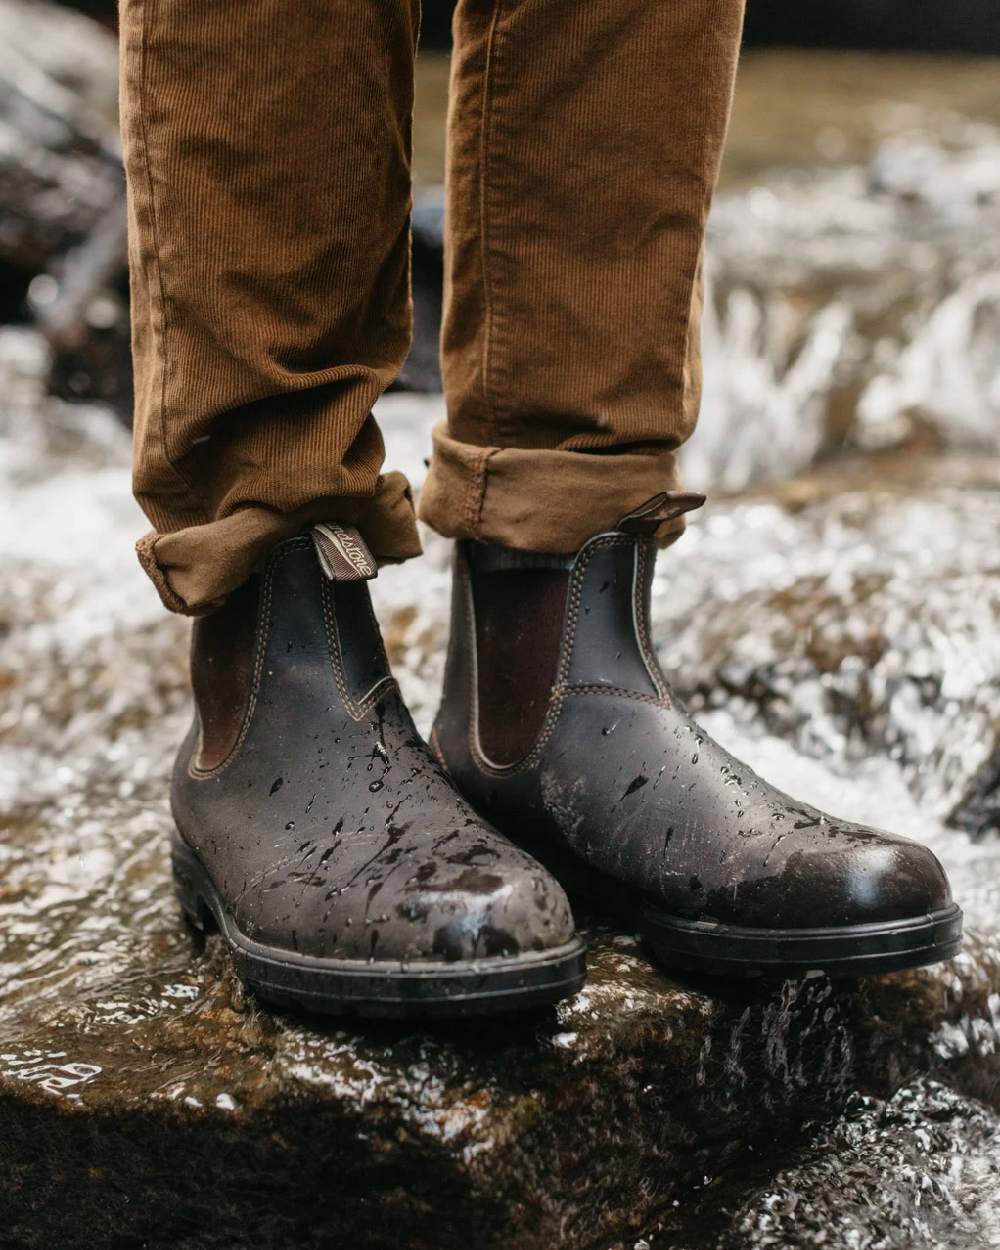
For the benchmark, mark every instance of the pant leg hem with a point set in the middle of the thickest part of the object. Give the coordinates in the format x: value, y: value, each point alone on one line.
x: 195, y: 568
x: 541, y: 499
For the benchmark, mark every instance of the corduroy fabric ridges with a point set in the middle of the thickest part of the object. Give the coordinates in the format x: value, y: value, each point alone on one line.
x: 267, y: 151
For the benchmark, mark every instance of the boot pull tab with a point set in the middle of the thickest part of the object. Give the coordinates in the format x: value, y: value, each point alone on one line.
x: 667, y: 506
x: 343, y: 554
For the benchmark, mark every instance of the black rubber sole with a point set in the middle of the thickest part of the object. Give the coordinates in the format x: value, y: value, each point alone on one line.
x: 731, y: 951
x: 377, y: 988
x: 851, y: 951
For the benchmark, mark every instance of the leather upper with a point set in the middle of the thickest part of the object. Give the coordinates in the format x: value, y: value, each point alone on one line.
x: 621, y: 775
x: 330, y: 829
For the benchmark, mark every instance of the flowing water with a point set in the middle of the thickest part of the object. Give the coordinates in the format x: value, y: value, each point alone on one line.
x: 833, y: 617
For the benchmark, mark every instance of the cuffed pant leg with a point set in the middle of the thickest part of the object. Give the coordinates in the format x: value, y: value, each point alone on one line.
x: 584, y: 144
x: 539, y: 499
x: 267, y: 152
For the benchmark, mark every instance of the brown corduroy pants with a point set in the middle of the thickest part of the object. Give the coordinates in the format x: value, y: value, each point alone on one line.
x: 267, y: 151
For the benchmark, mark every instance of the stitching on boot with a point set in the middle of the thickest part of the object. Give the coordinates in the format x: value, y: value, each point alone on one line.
x: 468, y: 615
x: 635, y: 695
x: 561, y: 689
x: 646, y: 648
x: 356, y: 709
x: 434, y: 742
x: 458, y: 566
x: 573, y: 597
x: 263, y: 633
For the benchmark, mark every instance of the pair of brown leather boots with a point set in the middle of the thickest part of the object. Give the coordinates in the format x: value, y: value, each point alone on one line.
x: 350, y: 867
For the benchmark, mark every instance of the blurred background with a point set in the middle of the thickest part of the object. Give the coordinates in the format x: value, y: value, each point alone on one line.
x: 853, y: 254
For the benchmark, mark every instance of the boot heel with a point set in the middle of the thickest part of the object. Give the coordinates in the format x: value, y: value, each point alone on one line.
x: 187, y: 874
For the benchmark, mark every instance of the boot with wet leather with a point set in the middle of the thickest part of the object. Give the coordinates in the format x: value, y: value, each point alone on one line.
x: 559, y: 727
x: 318, y: 833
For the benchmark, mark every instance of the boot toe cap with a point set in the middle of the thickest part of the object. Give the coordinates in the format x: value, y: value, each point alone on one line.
x: 520, y: 911
x: 877, y: 880
x: 898, y: 881
x: 438, y: 912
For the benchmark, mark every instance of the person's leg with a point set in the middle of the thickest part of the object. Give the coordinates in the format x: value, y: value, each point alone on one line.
x: 584, y: 144
x: 267, y: 153
x: 585, y: 141
x: 267, y: 148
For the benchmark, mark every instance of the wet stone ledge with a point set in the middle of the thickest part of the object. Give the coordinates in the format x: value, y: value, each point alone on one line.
x: 169, y: 1111
x: 146, y: 1102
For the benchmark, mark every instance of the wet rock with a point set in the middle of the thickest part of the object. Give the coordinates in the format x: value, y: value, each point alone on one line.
x: 161, y: 1108
x: 936, y: 1183
x: 147, y: 1101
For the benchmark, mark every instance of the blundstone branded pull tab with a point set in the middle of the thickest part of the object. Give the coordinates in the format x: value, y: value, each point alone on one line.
x: 667, y: 506
x: 343, y: 553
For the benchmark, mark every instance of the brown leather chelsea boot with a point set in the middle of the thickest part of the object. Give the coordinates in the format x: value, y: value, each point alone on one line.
x: 559, y: 727
x: 316, y: 831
